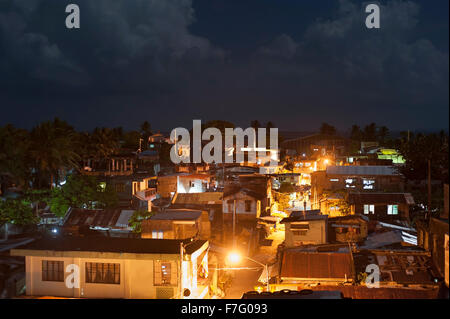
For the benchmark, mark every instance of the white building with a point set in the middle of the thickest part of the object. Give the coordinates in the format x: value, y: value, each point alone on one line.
x: 102, y: 267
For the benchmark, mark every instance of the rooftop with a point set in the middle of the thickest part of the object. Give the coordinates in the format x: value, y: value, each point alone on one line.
x: 363, y: 170
x: 105, y: 218
x: 179, y: 214
x: 375, y: 198
x: 111, y: 245
x: 306, y: 217
x: 206, y: 198
x: 315, y: 265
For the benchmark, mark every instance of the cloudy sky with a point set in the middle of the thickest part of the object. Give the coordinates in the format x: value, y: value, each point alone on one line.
x: 296, y: 63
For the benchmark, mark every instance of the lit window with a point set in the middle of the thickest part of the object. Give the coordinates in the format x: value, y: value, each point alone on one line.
x: 392, y: 209
x: 368, y: 184
x: 349, y: 183
x: 101, y: 273
x: 157, y: 234
x: 334, y: 179
x: 163, y: 273
x: 369, y: 209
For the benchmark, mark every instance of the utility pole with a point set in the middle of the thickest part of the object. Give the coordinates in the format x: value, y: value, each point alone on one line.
x: 234, y: 224
x: 429, y: 188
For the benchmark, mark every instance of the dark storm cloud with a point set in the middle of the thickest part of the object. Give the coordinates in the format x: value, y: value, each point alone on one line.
x: 134, y: 60
x: 131, y: 39
x: 340, y: 62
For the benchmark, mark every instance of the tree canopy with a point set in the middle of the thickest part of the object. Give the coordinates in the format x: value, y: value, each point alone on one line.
x: 82, y: 192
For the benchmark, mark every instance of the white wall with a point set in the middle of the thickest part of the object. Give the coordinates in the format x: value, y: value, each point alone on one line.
x: 136, y: 279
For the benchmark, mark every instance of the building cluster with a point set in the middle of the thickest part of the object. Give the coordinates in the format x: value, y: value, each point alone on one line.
x: 338, y: 212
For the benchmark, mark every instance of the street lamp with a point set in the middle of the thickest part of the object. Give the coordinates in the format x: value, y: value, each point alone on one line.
x: 234, y: 258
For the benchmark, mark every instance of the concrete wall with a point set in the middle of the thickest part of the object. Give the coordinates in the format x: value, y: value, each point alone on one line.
x: 241, y: 213
x: 182, y: 184
x: 136, y: 279
x: 316, y: 234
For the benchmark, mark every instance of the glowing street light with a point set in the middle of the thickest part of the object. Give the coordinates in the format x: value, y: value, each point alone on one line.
x: 234, y: 257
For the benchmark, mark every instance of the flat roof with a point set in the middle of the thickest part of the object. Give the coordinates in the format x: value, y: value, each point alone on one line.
x: 363, y: 170
x: 112, y: 245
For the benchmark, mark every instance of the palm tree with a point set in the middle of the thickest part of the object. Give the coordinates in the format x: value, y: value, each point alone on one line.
x: 53, y: 149
x: 14, y: 144
x: 383, y: 134
x: 98, y: 145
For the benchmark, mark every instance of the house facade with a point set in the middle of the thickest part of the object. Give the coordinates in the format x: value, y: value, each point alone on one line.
x: 169, y: 185
x: 307, y: 229
x: 244, y: 202
x: 115, y: 268
x: 381, y: 206
x: 352, y: 228
x: 177, y: 224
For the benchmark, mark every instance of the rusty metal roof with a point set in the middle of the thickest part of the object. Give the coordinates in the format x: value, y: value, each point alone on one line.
x: 198, y: 198
x: 363, y: 170
x: 107, y: 218
x: 380, y: 198
x: 305, y: 265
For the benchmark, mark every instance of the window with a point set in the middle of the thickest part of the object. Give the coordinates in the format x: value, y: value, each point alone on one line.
x: 120, y: 187
x: 101, y: 273
x: 230, y: 203
x: 368, y: 184
x: 157, y: 234
x: 165, y: 273
x: 299, y: 232
x: 248, y: 205
x: 52, y: 270
x: 392, y: 209
x: 369, y: 209
x: 350, y: 183
x: 334, y: 179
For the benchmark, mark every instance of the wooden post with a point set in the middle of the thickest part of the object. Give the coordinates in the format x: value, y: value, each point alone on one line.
x: 234, y: 224
x: 429, y: 188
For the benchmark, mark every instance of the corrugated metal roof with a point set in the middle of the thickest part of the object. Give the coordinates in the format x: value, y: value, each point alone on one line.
x: 378, y: 240
x: 124, y: 218
x: 380, y: 198
x: 296, y: 264
x: 363, y: 170
x: 106, y: 218
x: 199, y: 198
x: 178, y: 215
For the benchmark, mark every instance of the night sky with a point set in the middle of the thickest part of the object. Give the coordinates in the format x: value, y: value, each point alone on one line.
x: 295, y: 63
